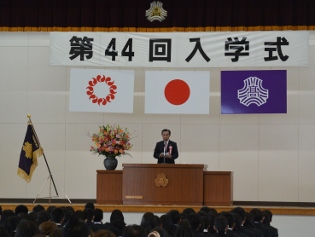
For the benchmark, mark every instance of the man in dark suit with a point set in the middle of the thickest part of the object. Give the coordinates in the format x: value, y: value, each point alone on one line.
x: 166, y: 151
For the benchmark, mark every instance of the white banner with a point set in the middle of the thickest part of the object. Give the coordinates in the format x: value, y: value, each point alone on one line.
x: 96, y: 90
x: 180, y: 49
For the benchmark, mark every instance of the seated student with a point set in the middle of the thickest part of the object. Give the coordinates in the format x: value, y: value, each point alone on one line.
x: 175, y: 217
x: 81, y: 215
x: 238, y: 226
x: 220, y: 226
x: 231, y: 224
x: 205, y: 222
x: 10, y: 224
x: 240, y: 219
x: 47, y: 227
x: 26, y: 229
x: 258, y: 218
x: 249, y: 225
x: 117, y: 220
x: 98, y: 223
x: 184, y: 229
x: 134, y: 231
x: 195, y: 223
x: 42, y: 216
x: 212, y: 215
x: 268, y: 218
x: 167, y: 225
x: 148, y: 222
x: 57, y: 216
x: 6, y: 214
x: 89, y: 213
x: 76, y: 228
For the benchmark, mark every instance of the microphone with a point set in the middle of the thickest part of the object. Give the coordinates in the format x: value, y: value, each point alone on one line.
x: 164, y: 153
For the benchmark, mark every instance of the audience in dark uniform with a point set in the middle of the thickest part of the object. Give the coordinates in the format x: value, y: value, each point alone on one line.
x: 64, y: 221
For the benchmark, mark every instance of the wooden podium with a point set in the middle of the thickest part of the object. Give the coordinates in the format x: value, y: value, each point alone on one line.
x: 164, y: 184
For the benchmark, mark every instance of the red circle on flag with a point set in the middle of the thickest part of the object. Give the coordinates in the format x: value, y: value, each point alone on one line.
x: 177, y: 92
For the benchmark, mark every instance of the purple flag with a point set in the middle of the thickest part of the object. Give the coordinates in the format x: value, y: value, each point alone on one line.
x: 31, y: 150
x: 253, y: 92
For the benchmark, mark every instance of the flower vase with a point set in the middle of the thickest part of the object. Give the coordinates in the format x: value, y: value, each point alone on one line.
x: 110, y: 163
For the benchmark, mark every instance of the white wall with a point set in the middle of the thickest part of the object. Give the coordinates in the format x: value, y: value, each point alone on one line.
x: 271, y: 155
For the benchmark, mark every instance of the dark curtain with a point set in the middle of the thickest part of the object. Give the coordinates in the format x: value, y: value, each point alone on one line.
x: 182, y: 15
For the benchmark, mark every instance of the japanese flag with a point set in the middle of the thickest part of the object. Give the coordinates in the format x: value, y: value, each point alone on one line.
x: 177, y: 92
x: 95, y: 90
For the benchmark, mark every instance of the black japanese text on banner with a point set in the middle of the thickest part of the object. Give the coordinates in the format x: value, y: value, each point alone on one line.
x: 189, y: 49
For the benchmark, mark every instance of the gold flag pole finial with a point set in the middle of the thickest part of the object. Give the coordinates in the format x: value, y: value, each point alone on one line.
x: 29, y: 119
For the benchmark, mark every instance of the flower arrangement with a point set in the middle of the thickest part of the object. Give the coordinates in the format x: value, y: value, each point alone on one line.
x: 111, y: 141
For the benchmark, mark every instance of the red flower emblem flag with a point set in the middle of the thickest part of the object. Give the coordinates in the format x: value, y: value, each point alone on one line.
x: 95, y: 90
x: 177, y: 92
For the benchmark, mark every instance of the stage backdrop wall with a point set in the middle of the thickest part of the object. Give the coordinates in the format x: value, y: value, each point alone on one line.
x: 271, y: 155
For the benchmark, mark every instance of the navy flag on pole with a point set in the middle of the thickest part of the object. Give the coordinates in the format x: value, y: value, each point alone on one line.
x: 31, y: 150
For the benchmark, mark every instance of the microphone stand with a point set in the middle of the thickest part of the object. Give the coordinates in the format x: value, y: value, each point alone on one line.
x: 164, y: 157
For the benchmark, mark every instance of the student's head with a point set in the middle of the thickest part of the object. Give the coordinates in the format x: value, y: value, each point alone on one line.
x: 166, y: 223
x: 117, y: 215
x: 241, y: 212
x: 6, y: 214
x: 42, y: 216
x: 230, y: 217
x: 194, y: 220
x: 98, y: 215
x: 257, y: 215
x: 38, y: 208
x: 175, y: 216
x: 21, y: 209
x: 57, y: 215
x: 47, y: 227
x: 10, y: 224
x: 267, y: 217
x: 206, y: 209
x: 148, y: 222
x: 134, y: 231
x: 183, y: 229
x: 81, y: 215
x: 89, y: 213
x: 76, y: 228
x: 89, y: 205
x: 26, y: 229
x: 221, y: 224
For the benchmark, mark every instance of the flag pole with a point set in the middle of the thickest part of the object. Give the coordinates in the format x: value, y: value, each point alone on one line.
x: 50, y: 175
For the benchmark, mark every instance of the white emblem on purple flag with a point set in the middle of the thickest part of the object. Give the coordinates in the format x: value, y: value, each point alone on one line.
x: 252, y: 92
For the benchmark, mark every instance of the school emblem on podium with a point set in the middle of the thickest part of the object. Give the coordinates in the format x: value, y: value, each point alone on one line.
x: 161, y: 180
x: 156, y: 12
